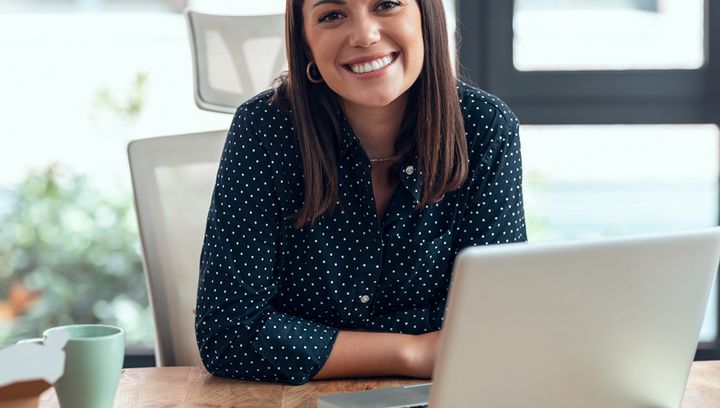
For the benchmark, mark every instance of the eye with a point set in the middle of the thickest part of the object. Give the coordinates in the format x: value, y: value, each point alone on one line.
x: 330, y: 17
x: 388, y: 5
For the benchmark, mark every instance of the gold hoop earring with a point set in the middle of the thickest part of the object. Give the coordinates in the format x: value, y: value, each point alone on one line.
x: 310, y: 70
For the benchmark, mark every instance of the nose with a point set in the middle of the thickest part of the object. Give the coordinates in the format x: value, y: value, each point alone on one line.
x: 365, y: 32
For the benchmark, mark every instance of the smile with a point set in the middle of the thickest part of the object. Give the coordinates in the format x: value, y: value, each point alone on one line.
x: 372, y: 66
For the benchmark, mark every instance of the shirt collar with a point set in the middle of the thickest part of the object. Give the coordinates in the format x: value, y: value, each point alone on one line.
x: 409, y: 175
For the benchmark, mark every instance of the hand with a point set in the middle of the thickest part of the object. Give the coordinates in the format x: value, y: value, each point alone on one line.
x: 420, y: 354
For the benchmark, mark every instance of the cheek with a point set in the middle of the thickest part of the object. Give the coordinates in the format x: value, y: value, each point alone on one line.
x: 323, y: 51
x: 326, y: 56
x: 414, y: 47
x: 419, y: 54
x: 409, y: 33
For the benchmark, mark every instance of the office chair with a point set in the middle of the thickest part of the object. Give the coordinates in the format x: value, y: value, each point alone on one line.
x: 234, y: 57
x: 173, y: 178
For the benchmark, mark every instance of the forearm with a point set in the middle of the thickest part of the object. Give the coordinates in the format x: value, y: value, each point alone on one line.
x: 367, y: 354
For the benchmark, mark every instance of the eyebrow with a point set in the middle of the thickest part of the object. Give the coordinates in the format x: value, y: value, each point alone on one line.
x: 319, y: 2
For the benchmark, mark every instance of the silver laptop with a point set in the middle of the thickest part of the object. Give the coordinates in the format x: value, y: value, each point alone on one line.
x: 607, y: 323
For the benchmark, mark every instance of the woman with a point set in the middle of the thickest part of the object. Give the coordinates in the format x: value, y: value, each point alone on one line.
x: 344, y: 194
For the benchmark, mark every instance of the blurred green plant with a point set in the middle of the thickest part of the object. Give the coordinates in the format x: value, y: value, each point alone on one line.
x: 134, y: 102
x: 69, y: 250
x: 69, y: 253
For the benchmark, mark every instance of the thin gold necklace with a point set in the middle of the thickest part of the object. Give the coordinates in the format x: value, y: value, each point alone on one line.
x: 381, y: 159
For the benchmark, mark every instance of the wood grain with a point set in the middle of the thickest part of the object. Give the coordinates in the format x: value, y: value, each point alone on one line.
x: 194, y: 387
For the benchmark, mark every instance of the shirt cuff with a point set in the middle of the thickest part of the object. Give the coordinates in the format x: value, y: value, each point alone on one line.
x: 296, y: 347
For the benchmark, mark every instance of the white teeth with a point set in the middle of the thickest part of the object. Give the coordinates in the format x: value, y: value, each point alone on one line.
x: 371, y: 66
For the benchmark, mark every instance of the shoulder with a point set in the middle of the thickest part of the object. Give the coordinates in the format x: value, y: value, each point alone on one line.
x: 481, y: 108
x: 489, y: 121
x: 262, y: 118
x: 491, y: 127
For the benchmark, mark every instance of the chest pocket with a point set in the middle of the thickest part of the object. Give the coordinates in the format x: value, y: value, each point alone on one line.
x: 432, y: 255
x: 416, y: 270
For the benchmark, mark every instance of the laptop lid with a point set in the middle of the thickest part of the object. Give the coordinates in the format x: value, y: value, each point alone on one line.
x: 610, y: 323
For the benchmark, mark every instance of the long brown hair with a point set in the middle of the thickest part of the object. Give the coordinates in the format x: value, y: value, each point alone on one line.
x: 432, y: 126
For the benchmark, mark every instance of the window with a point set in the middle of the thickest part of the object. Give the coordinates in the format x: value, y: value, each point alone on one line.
x: 589, y: 181
x: 608, y: 34
x: 34, y: 6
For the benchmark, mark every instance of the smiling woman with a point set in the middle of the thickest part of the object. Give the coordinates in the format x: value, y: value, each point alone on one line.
x: 337, y: 34
x: 344, y: 194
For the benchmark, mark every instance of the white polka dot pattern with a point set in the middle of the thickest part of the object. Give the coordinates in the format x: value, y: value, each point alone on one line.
x: 271, y: 299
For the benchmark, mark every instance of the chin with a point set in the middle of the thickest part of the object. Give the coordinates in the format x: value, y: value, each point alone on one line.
x: 375, y: 100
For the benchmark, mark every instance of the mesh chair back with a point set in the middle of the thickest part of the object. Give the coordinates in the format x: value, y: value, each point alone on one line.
x: 234, y: 57
x: 173, y: 178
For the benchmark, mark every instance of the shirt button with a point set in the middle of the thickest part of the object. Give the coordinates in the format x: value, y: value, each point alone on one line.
x: 409, y: 170
x: 364, y: 298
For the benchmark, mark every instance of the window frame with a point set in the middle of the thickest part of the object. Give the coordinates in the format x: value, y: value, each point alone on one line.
x: 586, y: 97
x: 595, y: 97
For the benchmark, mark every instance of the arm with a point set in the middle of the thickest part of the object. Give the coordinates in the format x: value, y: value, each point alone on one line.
x: 239, y: 333
x: 366, y: 354
x: 494, y: 213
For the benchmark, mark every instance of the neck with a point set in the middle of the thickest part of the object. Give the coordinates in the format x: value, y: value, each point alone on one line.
x: 376, y: 127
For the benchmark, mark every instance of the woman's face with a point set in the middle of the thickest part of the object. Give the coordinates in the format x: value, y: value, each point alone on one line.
x: 369, y: 52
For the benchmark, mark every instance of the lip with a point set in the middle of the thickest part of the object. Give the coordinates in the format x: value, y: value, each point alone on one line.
x: 368, y: 58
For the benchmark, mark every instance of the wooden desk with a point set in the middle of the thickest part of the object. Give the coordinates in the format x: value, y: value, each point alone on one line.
x: 194, y: 387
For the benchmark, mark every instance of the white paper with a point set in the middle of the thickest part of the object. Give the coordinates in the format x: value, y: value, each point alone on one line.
x: 29, y: 361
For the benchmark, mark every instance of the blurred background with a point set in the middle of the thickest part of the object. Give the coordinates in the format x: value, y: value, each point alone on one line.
x: 618, y: 101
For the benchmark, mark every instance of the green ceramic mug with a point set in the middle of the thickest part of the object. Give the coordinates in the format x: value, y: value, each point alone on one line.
x: 94, y: 357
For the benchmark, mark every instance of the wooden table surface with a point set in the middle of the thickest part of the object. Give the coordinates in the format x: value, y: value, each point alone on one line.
x: 195, y: 387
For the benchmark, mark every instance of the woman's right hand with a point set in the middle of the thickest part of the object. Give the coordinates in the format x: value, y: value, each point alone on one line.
x: 420, y: 354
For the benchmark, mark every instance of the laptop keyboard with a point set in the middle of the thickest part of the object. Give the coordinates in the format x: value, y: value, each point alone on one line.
x: 409, y: 396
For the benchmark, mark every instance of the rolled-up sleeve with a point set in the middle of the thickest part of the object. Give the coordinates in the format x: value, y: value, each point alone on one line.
x: 238, y: 331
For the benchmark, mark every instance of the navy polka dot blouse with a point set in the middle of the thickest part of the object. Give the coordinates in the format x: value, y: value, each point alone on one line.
x: 271, y: 298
